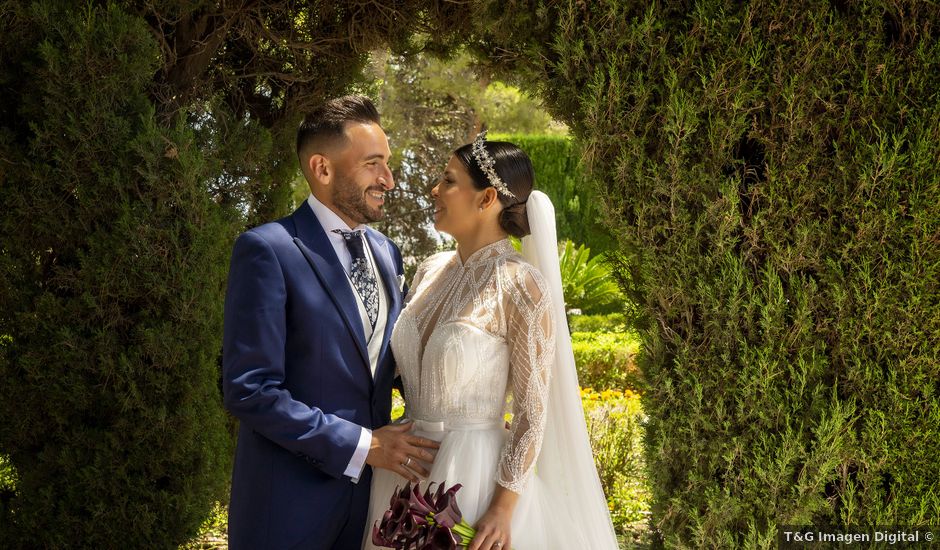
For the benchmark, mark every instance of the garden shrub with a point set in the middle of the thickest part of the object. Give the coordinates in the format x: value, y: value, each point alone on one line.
x: 111, y: 415
x: 606, y: 360
x: 615, y: 425
x: 605, y: 322
x: 773, y: 167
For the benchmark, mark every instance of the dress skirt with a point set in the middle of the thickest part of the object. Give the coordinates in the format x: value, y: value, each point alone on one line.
x: 468, y: 455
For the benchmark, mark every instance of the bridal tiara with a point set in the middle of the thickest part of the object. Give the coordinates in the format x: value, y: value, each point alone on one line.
x: 488, y: 165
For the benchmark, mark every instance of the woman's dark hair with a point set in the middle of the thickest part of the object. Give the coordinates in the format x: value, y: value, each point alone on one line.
x: 515, y: 169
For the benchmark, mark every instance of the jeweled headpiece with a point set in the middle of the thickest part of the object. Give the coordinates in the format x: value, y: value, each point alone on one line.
x: 488, y: 165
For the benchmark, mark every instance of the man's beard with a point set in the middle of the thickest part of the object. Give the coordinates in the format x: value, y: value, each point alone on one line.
x: 350, y: 199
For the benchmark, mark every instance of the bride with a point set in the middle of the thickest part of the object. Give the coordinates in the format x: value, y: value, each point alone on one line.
x: 485, y: 326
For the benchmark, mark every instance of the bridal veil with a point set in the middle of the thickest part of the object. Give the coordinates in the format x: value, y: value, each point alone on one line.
x: 566, y: 462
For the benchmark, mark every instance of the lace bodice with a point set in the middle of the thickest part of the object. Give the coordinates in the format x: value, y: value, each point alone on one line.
x: 473, y: 334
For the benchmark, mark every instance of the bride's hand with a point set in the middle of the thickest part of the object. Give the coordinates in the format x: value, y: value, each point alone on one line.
x: 493, y: 529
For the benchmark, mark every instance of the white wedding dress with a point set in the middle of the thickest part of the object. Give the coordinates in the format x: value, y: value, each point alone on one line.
x: 476, y: 340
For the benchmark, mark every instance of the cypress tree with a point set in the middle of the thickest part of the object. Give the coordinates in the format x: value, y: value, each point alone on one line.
x: 773, y: 170
x: 115, y: 255
x: 136, y: 141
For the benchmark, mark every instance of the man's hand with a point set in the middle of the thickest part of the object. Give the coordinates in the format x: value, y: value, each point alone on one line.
x: 393, y: 448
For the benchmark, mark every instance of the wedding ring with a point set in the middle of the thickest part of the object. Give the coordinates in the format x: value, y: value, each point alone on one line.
x: 497, y: 544
x: 407, y: 462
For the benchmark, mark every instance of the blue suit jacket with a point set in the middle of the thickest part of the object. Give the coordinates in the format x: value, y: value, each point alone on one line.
x: 296, y: 374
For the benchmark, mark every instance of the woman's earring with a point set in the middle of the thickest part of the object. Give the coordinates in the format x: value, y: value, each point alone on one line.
x: 481, y: 209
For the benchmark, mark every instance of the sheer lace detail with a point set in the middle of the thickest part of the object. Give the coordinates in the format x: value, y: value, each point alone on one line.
x: 472, y: 334
x: 531, y: 339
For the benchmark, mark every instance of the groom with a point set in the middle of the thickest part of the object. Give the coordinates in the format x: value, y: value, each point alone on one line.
x: 307, y: 369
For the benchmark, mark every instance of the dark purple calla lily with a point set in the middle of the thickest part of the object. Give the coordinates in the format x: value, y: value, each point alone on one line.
x: 428, y: 494
x: 399, y: 510
x: 390, y: 526
x: 440, y: 491
x: 377, y: 538
x: 446, y: 511
x: 417, y: 502
x: 448, y: 498
x: 442, y: 538
x: 413, y: 525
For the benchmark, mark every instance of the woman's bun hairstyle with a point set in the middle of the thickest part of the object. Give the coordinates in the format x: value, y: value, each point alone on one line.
x: 515, y: 220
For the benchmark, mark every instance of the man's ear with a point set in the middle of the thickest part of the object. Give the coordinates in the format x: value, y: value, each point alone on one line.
x: 320, y: 168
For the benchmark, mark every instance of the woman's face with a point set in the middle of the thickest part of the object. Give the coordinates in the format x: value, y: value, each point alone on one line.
x: 456, y: 201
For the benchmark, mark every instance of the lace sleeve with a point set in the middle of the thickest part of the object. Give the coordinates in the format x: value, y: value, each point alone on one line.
x: 429, y: 264
x: 530, y: 334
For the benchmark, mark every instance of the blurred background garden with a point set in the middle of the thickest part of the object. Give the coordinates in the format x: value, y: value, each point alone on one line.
x: 747, y: 207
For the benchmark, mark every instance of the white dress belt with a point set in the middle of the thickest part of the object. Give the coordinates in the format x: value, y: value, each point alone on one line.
x: 466, y: 424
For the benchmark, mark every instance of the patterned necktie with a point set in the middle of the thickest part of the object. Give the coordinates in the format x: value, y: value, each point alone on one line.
x: 363, y: 278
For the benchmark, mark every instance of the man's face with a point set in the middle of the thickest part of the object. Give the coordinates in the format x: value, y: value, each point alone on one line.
x: 362, y: 175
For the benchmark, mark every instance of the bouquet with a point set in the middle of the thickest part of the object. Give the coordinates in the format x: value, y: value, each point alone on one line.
x: 429, y: 521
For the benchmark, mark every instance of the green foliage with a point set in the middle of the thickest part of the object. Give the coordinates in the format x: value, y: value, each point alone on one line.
x: 608, y: 322
x: 588, y: 284
x: 117, y: 255
x: 615, y: 426
x: 7, y: 484
x: 137, y: 140
x: 607, y: 360
x: 510, y: 110
x: 398, y: 405
x: 771, y: 173
x: 560, y: 175
x: 213, y: 533
x: 472, y: 96
x: 425, y: 123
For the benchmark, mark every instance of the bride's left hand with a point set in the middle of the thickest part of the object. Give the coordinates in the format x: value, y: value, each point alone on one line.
x: 493, y: 529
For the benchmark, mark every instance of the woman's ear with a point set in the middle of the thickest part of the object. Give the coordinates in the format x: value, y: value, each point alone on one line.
x: 490, y: 197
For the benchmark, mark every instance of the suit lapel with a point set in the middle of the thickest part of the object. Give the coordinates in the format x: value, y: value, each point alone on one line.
x: 316, y: 247
x: 383, y: 259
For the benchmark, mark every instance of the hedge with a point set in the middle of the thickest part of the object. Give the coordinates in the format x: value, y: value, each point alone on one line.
x: 773, y: 169
x: 111, y: 411
x: 611, y: 322
x: 607, y: 360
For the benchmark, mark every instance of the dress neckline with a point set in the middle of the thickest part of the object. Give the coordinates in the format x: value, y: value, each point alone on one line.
x: 487, y: 253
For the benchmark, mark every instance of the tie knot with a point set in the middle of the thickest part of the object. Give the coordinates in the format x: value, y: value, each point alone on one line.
x: 349, y: 235
x: 353, y: 243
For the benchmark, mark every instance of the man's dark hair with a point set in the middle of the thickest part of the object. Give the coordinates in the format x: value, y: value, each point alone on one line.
x: 325, y: 124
